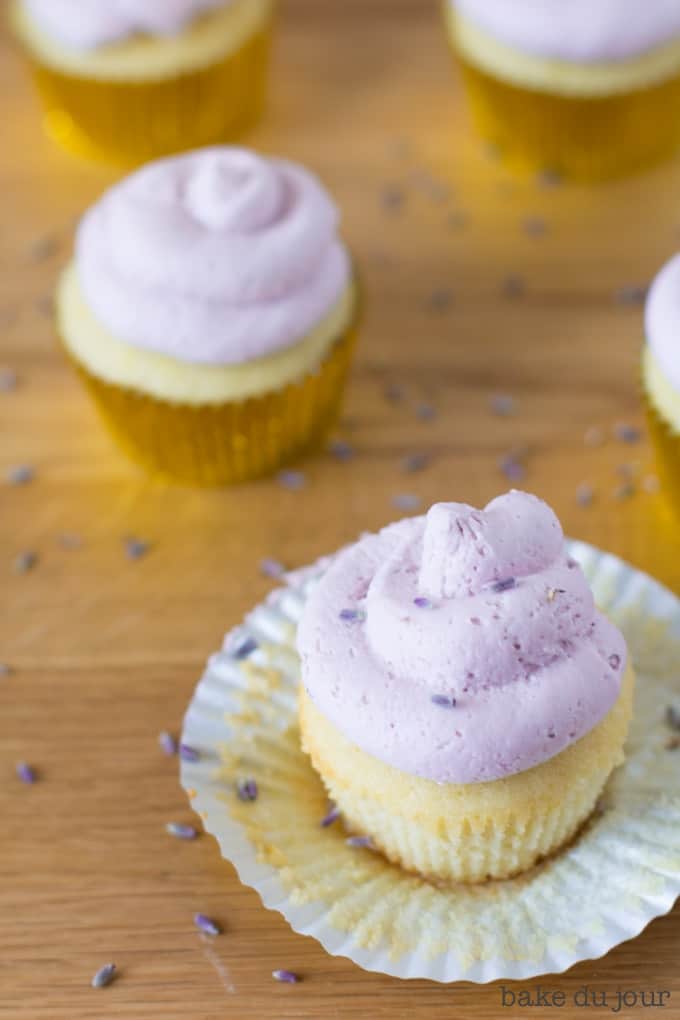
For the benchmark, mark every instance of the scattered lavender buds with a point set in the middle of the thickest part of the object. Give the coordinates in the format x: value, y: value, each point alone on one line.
x: 426, y: 412
x: 673, y: 717
x: 443, y: 701
x: 394, y: 393
x: 188, y: 753
x: 25, y: 773
x: 627, y: 433
x: 512, y: 468
x: 513, y: 286
x: 614, y: 661
x: 207, y: 925
x: 331, y: 817
x: 414, y: 462
x: 505, y: 584
x: 632, y: 294
x: 440, y: 300
x: 167, y: 743
x: 135, y: 548
x: 352, y: 615
x: 246, y: 648
x: 341, y: 450
x: 593, y: 436
x: 25, y: 561
x: 104, y: 976
x: 624, y: 491
x: 272, y: 568
x: 406, y: 501
x: 22, y: 474
x: 585, y: 494
x: 457, y: 220
x: 69, y: 540
x: 44, y: 248
x: 246, y: 790
x: 5, y: 670
x: 392, y: 198
x: 8, y: 380
x: 285, y: 976
x: 181, y: 831
x: 549, y: 178
x: 534, y: 226
x: 423, y: 603
x: 360, y: 841
x: 292, y: 480
x: 503, y: 405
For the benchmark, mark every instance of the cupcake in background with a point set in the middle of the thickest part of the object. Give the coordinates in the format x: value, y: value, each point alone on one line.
x: 462, y: 698
x: 587, y: 88
x: 661, y: 374
x: 127, y: 81
x: 210, y: 309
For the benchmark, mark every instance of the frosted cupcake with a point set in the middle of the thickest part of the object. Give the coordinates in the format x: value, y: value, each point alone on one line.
x: 463, y: 700
x: 129, y: 80
x: 661, y: 374
x: 210, y: 309
x: 589, y: 88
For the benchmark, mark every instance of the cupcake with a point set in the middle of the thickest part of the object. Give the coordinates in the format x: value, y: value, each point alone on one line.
x: 127, y: 81
x: 210, y: 309
x: 661, y: 375
x: 588, y: 88
x: 463, y: 700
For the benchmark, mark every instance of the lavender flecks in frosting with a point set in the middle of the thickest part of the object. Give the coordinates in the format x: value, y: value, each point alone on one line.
x: 218, y: 256
x: 528, y: 674
x: 86, y: 26
x: 582, y: 31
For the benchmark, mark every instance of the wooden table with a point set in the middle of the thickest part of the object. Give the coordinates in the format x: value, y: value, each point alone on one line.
x: 477, y: 285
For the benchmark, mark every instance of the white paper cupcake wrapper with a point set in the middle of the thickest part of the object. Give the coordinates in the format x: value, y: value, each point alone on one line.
x: 623, y: 871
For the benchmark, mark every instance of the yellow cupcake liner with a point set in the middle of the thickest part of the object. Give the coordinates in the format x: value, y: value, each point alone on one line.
x: 622, y: 870
x: 224, y: 443
x: 136, y: 121
x: 474, y: 832
x: 585, y: 139
x: 666, y: 443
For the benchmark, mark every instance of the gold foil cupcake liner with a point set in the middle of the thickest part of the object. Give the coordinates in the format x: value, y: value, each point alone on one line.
x: 622, y: 870
x: 586, y: 139
x: 666, y: 443
x: 132, y: 122
x: 233, y: 441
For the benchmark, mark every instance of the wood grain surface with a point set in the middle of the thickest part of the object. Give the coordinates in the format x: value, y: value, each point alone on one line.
x: 477, y: 285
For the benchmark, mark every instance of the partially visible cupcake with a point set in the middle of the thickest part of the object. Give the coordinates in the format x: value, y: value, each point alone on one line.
x: 587, y: 88
x: 463, y: 700
x: 129, y: 80
x: 211, y: 310
x: 661, y: 374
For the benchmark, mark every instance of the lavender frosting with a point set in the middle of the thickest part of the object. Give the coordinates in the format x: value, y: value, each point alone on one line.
x: 581, y: 31
x: 217, y: 256
x: 662, y: 320
x: 462, y: 646
x: 87, y: 24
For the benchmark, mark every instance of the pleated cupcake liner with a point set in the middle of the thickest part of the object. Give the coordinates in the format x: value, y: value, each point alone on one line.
x: 228, y: 442
x: 131, y: 122
x: 621, y: 872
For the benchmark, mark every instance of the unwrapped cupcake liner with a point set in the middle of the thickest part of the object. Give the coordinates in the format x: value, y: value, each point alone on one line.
x: 622, y: 871
x: 586, y: 138
x: 666, y: 443
x: 132, y: 122
x: 233, y: 441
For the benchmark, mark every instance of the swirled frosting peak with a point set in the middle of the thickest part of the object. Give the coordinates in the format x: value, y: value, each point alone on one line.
x: 461, y: 646
x: 217, y: 256
x: 87, y: 24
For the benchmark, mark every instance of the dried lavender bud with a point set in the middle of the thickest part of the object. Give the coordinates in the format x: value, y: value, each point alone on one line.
x: 594, y: 436
x: 443, y: 701
x: 614, y: 661
x: 5, y: 670
x: 167, y: 743
x: 8, y: 380
x: 394, y: 393
x: 135, y: 548
x: 512, y: 468
x: 673, y: 717
x: 624, y: 491
x: 415, y: 462
x: 360, y: 841
x: 341, y: 450
x: 25, y: 773
x: 272, y: 568
x: 44, y: 248
x: 549, y: 178
x: 246, y: 790
x: 207, y: 925
x: 632, y: 294
x: 331, y: 817
x: 504, y: 585
x: 426, y: 412
x: 69, y: 540
x: 513, y: 286
x: 534, y: 226
x: 392, y: 198
x: 189, y: 754
x: 440, y: 300
x: 584, y: 494
x: 25, y: 561
x: 503, y: 405
x: 292, y: 480
x: 627, y: 433
x: 181, y: 831
x: 352, y: 615
x: 22, y: 474
x: 423, y: 603
x: 406, y: 501
x: 286, y: 976
x: 104, y: 976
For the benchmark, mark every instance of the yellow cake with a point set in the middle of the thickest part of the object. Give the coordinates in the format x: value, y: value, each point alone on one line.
x: 123, y: 92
